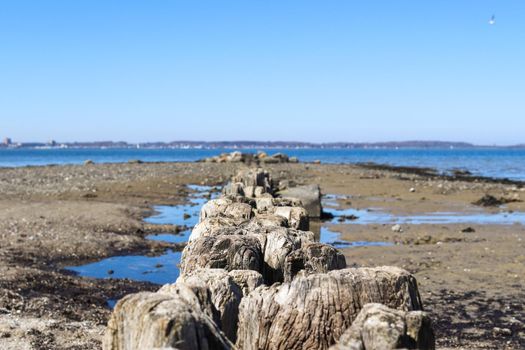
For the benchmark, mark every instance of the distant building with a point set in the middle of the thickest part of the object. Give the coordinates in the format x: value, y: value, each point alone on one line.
x: 7, y: 141
x: 52, y: 143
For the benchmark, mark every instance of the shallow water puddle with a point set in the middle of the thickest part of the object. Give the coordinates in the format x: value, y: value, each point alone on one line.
x: 333, y: 238
x: 155, y: 269
x: 327, y: 236
x: 181, y: 237
x: 160, y: 269
x: 181, y: 215
x: 185, y: 214
x: 377, y: 216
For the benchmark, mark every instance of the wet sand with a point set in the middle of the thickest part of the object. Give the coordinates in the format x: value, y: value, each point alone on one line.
x: 56, y: 216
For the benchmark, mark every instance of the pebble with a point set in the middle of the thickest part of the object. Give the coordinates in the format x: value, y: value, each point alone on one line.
x: 397, y: 228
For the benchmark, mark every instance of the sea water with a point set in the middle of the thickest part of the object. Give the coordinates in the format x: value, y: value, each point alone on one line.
x: 493, y: 162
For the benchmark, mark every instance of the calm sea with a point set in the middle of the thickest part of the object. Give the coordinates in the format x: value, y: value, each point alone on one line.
x: 509, y: 163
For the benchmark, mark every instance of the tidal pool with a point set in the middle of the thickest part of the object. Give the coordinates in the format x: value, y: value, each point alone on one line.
x: 160, y: 269
x: 378, y: 216
x: 333, y: 238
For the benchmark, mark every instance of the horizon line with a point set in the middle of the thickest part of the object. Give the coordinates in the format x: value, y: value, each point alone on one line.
x: 8, y: 141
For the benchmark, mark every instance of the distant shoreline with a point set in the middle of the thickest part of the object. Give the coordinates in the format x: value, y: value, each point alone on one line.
x: 254, y: 145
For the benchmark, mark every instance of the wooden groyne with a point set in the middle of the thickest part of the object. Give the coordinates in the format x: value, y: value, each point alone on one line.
x: 254, y: 277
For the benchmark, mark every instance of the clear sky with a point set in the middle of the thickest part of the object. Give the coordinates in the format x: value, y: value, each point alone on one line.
x: 307, y: 70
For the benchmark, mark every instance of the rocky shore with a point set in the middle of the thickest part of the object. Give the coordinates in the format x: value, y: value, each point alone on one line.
x: 55, y: 216
x: 250, y: 158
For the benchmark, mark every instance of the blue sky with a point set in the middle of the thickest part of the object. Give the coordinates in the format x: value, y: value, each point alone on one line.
x: 320, y: 71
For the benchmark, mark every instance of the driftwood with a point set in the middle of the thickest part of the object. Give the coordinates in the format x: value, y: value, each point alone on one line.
x: 313, y: 258
x: 233, y: 189
x: 225, y: 291
x: 378, y: 327
x: 265, y: 220
x: 263, y: 249
x: 277, y: 245
x: 215, y: 226
x: 247, y: 280
x: 167, y: 321
x: 254, y: 178
x: 226, y: 206
x: 229, y: 252
x: 297, y: 217
x: 312, y: 312
x: 222, y: 225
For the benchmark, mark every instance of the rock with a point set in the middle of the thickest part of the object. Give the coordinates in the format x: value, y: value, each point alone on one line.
x: 209, y: 160
x: 293, y: 160
x: 270, y: 160
x: 461, y: 172
x: 313, y: 258
x: 488, y: 201
x: 491, y: 201
x: 235, y: 157
x: 468, y: 230
x: 308, y: 195
x: 249, y: 158
x: 351, y: 217
x: 397, y: 228
x: 283, y: 158
x: 225, y: 207
x: 412, y: 189
x: 317, y: 161
x: 312, y: 312
x: 135, y: 161
x: 261, y: 155
x: 186, y: 216
x: 229, y: 252
x: 378, y: 327
x: 89, y: 162
x: 297, y: 217
x: 158, y: 320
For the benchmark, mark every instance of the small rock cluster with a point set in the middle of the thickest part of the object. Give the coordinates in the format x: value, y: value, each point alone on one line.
x: 491, y: 201
x: 253, y: 277
x: 251, y: 158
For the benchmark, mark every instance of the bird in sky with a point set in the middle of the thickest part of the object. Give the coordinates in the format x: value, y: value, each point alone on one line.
x: 492, y: 20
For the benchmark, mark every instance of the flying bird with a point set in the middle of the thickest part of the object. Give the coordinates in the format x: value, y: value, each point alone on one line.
x: 492, y: 20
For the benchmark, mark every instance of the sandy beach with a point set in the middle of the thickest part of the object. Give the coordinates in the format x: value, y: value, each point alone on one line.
x: 470, y: 275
